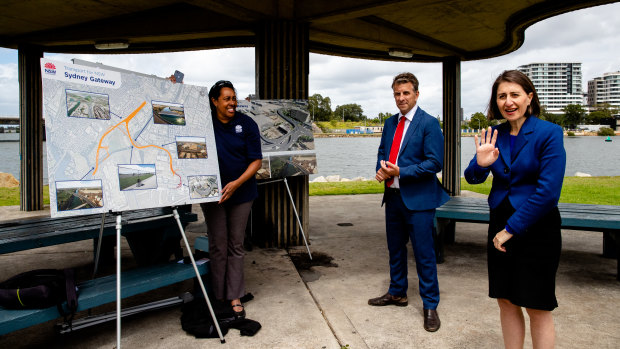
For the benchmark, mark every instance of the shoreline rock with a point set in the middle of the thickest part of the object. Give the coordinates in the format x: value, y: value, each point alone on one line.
x: 7, y: 180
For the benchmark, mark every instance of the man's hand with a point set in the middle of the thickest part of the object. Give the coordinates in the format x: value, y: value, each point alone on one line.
x: 391, y: 169
x: 387, y: 170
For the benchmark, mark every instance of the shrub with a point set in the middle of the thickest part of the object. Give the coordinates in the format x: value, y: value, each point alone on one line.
x: 570, y: 134
x: 605, y: 131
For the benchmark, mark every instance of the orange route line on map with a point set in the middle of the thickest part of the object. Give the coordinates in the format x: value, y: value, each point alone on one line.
x: 128, y: 134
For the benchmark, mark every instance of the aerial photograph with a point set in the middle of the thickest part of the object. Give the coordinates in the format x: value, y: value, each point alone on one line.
x: 202, y: 186
x: 285, y: 125
x: 78, y: 195
x: 265, y: 171
x: 81, y: 104
x: 137, y: 177
x: 191, y: 147
x: 292, y: 165
x: 168, y: 113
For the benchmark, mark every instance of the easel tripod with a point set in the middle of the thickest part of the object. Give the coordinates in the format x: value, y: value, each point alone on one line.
x: 149, y: 306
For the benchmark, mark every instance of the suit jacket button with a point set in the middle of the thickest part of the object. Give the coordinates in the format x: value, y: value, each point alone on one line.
x: 506, y: 170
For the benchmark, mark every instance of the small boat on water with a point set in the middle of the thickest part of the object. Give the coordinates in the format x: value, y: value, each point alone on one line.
x: 608, y: 139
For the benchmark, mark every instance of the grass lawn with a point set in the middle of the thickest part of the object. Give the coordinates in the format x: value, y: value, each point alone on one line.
x: 581, y: 190
x: 10, y: 196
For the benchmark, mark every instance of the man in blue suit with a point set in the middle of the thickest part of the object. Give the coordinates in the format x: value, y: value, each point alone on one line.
x: 409, y: 158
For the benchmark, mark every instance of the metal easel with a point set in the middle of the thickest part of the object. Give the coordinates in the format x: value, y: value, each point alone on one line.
x: 288, y: 190
x: 149, y: 306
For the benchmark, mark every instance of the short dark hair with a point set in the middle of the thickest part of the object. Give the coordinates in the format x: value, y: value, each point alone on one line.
x: 517, y: 77
x: 404, y: 78
x: 215, y: 92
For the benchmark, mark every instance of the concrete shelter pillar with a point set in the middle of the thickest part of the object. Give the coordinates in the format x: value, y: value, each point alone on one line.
x: 451, y: 174
x: 30, y: 129
x: 282, y: 68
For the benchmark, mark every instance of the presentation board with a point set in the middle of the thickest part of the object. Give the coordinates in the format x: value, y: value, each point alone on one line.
x: 118, y: 141
x: 287, y: 142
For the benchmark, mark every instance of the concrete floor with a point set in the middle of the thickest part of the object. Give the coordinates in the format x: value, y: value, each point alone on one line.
x: 326, y: 305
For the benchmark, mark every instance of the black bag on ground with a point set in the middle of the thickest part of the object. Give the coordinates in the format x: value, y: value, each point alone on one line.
x: 196, y: 318
x: 38, y: 289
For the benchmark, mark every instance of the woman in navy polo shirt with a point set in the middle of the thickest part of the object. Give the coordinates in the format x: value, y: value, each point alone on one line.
x: 239, y: 155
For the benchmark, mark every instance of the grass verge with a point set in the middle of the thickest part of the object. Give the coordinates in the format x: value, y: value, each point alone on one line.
x: 580, y: 190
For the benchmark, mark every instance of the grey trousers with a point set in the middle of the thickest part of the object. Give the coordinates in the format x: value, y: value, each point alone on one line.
x: 226, y: 229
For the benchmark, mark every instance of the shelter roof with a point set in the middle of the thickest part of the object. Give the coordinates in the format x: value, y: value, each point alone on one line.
x: 430, y: 30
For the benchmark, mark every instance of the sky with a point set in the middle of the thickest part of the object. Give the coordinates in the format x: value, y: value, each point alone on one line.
x: 590, y: 37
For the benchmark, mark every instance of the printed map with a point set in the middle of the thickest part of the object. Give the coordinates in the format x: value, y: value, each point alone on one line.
x: 119, y: 141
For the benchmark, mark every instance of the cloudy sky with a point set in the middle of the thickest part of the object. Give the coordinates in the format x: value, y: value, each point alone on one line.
x: 590, y: 37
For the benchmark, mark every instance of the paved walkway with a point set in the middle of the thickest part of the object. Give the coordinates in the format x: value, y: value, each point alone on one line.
x: 325, y: 306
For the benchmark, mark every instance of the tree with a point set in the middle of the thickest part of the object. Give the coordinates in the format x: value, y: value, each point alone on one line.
x: 602, y: 115
x: 574, y: 114
x: 383, y: 116
x: 596, y: 117
x: 478, y: 121
x: 320, y: 107
x: 555, y: 118
x: 349, y: 112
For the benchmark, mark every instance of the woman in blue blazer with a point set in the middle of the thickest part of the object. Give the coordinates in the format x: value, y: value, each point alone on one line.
x: 527, y: 160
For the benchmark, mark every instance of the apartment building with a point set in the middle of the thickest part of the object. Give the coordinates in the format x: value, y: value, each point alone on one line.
x: 604, y: 90
x: 557, y: 84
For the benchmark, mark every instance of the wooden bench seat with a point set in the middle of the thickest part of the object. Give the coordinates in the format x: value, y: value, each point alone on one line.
x: 102, y: 290
x: 26, y: 234
x: 603, y: 218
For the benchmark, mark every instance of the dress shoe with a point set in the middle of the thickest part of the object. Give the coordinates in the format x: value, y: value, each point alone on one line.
x: 388, y: 299
x: 431, y: 320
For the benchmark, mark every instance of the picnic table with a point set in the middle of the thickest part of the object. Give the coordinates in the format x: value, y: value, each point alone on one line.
x: 602, y: 218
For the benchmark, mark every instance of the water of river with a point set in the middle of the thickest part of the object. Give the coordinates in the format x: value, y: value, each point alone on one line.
x: 351, y: 157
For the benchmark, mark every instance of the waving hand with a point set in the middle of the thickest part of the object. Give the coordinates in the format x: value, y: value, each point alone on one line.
x: 486, y: 152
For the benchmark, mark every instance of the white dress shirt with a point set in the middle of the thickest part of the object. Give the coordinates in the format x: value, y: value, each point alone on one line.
x: 408, y: 117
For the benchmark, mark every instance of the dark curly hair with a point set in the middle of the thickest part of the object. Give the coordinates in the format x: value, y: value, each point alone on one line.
x: 214, y: 93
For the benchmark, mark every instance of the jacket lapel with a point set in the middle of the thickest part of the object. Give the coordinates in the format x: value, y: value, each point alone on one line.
x: 503, y: 142
x: 524, y: 134
x: 393, y: 122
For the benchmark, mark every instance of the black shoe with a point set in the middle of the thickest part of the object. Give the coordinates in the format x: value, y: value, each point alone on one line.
x: 239, y: 314
x: 388, y: 299
x: 431, y: 320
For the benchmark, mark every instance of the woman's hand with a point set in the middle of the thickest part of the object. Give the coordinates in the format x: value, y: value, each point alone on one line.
x: 486, y: 152
x: 500, y: 238
x: 229, y: 190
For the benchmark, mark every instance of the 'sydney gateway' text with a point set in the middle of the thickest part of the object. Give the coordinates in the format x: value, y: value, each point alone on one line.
x: 95, y: 79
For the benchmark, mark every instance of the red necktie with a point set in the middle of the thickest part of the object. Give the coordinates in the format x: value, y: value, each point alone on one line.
x: 398, y: 137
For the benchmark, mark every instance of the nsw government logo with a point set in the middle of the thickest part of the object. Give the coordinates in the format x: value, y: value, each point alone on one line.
x: 49, y: 68
x: 238, y: 129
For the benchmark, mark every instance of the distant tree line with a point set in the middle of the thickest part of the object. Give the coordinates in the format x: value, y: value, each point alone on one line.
x: 321, y: 110
x: 573, y: 115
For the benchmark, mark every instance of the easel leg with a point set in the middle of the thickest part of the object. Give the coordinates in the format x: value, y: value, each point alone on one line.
x: 198, y: 276
x: 118, y: 280
x: 99, y: 242
x: 297, y: 216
